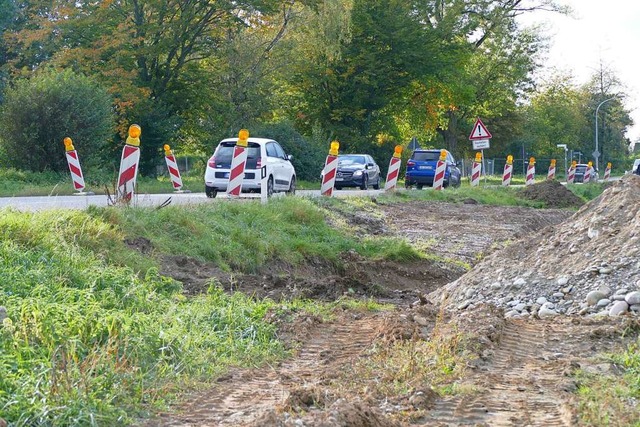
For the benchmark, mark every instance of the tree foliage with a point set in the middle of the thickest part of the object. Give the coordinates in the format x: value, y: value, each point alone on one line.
x: 40, y: 112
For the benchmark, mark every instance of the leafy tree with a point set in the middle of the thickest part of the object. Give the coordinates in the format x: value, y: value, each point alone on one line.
x: 40, y: 112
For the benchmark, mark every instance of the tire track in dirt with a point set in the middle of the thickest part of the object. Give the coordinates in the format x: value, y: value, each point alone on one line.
x: 520, y: 386
x: 240, y: 400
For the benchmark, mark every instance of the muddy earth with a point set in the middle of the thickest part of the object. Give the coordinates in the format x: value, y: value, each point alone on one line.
x: 366, y: 368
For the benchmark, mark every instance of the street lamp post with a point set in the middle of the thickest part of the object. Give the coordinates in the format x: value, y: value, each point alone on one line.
x: 564, y: 146
x: 596, y: 153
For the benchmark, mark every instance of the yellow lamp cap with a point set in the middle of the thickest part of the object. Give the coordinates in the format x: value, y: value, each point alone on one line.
x: 590, y: 164
x: 573, y: 163
x: 532, y: 160
x: 397, y: 151
x: 510, y: 159
x: 135, y: 131
x: 553, y: 162
x: 335, y: 146
x: 478, y: 157
x: 243, y: 136
x: 609, y: 165
x: 443, y: 154
x: 68, y: 144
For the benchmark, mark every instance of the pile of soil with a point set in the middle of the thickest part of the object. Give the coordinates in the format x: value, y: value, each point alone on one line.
x: 587, y: 264
x: 552, y: 194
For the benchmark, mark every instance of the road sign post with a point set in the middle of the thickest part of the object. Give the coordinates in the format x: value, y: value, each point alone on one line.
x: 480, y: 137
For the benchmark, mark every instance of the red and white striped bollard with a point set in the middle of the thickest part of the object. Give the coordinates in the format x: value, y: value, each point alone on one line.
x: 329, y: 171
x: 172, y: 166
x: 508, y: 171
x: 587, y: 174
x: 74, y: 165
x: 394, y: 169
x: 607, y: 172
x: 531, y: 172
x: 552, y: 170
x: 129, y: 164
x: 238, y: 162
x: 571, y: 173
x: 441, y: 167
x: 476, y: 170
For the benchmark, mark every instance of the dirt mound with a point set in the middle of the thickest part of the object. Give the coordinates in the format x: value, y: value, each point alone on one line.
x: 587, y: 264
x: 552, y: 194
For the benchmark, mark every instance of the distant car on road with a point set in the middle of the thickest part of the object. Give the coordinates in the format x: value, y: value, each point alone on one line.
x: 357, y: 170
x: 421, y: 169
x: 280, y: 173
x: 579, y: 174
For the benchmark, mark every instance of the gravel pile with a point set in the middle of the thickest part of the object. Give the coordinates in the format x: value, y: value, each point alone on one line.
x: 588, y: 264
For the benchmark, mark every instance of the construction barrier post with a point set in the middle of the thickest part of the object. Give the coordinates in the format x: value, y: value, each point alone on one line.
x: 74, y: 166
x: 476, y: 170
x: 508, y: 171
x: 531, y: 172
x: 394, y: 169
x: 607, y: 172
x: 571, y: 174
x: 172, y: 166
x: 552, y: 170
x: 587, y: 173
x: 238, y: 162
x: 441, y: 166
x: 129, y: 164
x: 330, y: 168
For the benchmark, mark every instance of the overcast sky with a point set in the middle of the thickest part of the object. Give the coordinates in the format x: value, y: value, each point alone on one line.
x: 601, y: 30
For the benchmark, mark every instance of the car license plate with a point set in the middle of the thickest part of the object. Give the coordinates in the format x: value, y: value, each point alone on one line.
x: 425, y: 167
x: 339, y: 179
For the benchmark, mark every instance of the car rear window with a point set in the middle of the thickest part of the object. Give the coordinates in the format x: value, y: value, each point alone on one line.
x: 425, y: 156
x: 225, y: 152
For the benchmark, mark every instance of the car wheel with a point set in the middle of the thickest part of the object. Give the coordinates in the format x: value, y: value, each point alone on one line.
x: 419, y: 186
x: 292, y: 186
x: 210, y: 192
x: 407, y: 185
x: 376, y: 186
x: 270, y: 187
x: 337, y: 187
x: 365, y: 182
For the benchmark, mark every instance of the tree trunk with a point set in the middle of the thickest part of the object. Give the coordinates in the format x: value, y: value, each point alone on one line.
x: 450, y: 134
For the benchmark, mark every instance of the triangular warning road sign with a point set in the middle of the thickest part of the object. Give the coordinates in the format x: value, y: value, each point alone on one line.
x: 479, y: 131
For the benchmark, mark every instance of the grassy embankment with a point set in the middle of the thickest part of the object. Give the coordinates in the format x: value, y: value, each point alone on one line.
x: 94, y: 334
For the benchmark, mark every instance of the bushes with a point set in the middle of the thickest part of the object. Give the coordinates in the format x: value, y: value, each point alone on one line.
x: 39, y: 113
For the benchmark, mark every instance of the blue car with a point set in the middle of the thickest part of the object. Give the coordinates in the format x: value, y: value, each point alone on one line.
x: 421, y: 168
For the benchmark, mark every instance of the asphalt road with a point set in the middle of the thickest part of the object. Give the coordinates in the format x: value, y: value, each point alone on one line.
x: 146, y: 200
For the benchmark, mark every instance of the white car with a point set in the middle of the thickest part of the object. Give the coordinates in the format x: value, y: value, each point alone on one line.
x: 262, y: 154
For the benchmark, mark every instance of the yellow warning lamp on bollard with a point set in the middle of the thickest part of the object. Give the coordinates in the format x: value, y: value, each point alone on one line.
x: 335, y: 146
x: 443, y: 155
x: 509, y: 159
x: 532, y: 161
x: 553, y: 163
x: 609, y: 165
x: 167, y: 150
x: 478, y: 157
x: 397, y: 152
x: 573, y: 164
x: 134, y: 135
x: 68, y: 144
x: 243, y: 138
x: 590, y: 164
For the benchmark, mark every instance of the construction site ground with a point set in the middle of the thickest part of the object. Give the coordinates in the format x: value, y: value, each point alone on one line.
x: 376, y: 368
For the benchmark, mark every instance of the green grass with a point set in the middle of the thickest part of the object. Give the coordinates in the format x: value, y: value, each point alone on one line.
x: 96, y: 336
x: 608, y: 400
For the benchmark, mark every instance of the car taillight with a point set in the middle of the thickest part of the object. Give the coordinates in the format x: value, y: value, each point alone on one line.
x: 259, y: 163
x: 410, y: 163
x: 212, y: 162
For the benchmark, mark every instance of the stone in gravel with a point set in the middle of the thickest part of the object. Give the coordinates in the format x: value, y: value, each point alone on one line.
x: 618, y: 308
x: 519, y: 282
x: 545, y: 313
x: 558, y: 295
x: 618, y: 297
x: 496, y: 285
x: 605, y: 290
x: 635, y: 308
x: 605, y: 270
x: 604, y: 302
x: 520, y: 306
x: 470, y: 292
x: 511, y: 313
x: 563, y: 281
x: 541, y: 300
x: 464, y: 305
x: 633, y: 298
x: 594, y: 296
x: 420, y: 320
